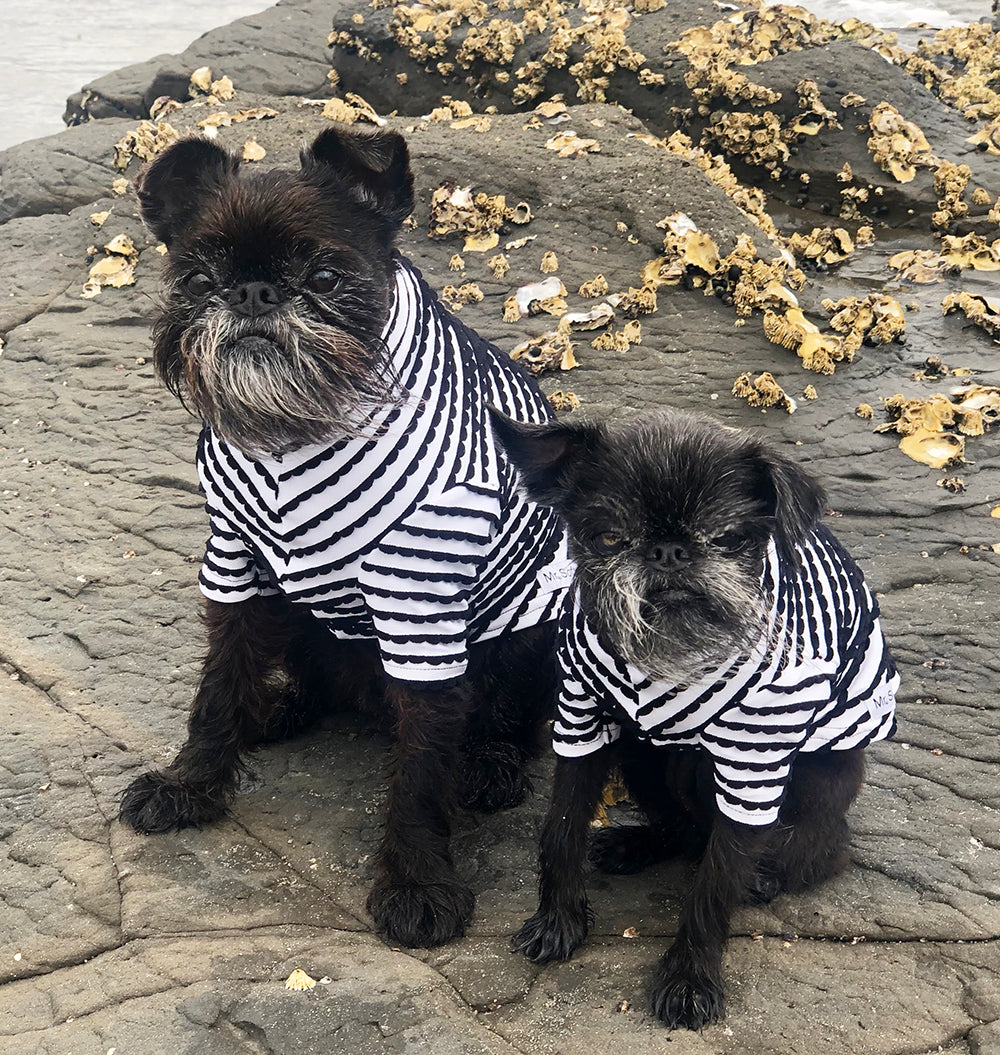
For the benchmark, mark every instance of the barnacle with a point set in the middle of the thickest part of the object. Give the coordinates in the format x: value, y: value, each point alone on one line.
x: 594, y: 287
x: 978, y: 309
x: 455, y: 209
x: 794, y: 331
x: 144, y: 142
x: 467, y: 293
x: 299, y: 981
x: 922, y: 266
x: 876, y: 318
x: 763, y: 391
x: 972, y: 250
x: 635, y: 302
x: 898, y: 145
x: 564, y: 401
x: 550, y: 351
x: 824, y: 245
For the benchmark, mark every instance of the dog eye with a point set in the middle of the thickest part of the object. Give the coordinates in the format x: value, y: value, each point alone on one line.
x: 609, y: 542
x: 323, y: 280
x: 199, y: 284
x: 730, y: 541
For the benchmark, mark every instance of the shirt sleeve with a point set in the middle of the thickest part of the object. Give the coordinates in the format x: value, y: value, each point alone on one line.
x: 417, y: 583
x: 581, y: 726
x: 229, y: 571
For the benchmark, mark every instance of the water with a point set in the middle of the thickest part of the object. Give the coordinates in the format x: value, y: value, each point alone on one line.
x: 51, y: 48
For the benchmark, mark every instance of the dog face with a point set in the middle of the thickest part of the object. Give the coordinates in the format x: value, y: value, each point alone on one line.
x: 669, y: 517
x: 278, y: 284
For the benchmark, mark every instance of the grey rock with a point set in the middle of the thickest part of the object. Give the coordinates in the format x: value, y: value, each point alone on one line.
x: 181, y: 943
x: 58, y: 172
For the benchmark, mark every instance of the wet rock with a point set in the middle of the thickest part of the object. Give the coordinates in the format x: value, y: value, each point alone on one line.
x: 182, y: 943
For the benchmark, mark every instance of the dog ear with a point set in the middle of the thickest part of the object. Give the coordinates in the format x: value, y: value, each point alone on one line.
x: 796, y: 500
x: 543, y: 454
x: 375, y: 165
x: 170, y: 187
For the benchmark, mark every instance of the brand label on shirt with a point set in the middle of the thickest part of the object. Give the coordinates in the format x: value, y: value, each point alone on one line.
x: 882, y: 703
x: 558, y: 576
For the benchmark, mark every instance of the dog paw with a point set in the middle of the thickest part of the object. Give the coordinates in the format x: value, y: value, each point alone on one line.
x: 548, y: 936
x: 420, y: 917
x: 624, y: 851
x: 688, y: 1001
x: 159, y: 802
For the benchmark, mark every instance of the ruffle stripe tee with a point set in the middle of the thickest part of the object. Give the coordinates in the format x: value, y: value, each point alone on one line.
x: 820, y: 678
x: 413, y: 532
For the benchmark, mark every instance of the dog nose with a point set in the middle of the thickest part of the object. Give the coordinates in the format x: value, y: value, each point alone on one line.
x: 665, y: 556
x: 254, y: 298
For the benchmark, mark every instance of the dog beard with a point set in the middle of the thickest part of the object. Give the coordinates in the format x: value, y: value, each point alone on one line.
x: 272, y: 384
x: 672, y: 632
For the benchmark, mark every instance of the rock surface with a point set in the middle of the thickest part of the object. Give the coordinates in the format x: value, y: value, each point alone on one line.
x: 181, y: 943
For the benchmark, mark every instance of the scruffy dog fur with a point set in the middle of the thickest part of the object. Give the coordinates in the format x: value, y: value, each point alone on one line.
x: 670, y: 516
x: 278, y: 286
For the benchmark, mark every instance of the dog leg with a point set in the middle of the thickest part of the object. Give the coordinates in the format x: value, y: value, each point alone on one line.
x: 514, y: 678
x: 246, y: 642
x: 814, y: 847
x: 417, y: 899
x: 687, y: 987
x: 561, y: 921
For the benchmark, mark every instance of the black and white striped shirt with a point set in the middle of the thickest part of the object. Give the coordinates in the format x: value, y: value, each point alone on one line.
x: 414, y: 532
x: 821, y: 677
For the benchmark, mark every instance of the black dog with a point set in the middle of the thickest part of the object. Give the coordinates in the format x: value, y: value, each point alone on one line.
x: 723, y: 649
x: 367, y: 536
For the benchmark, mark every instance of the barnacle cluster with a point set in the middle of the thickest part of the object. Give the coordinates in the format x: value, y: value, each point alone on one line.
x: 814, y: 116
x: 898, y: 145
x: 818, y: 351
x: 751, y: 36
x: 822, y: 245
x: 144, y: 142
x: 959, y: 64
x: 950, y: 181
x: 978, y: 309
x: 484, y: 40
x: 750, y: 200
x: 550, y: 351
x: 762, y: 391
x: 971, y: 250
x: 467, y: 293
x: 758, y: 138
x: 202, y: 83
x: 922, y: 266
x: 480, y: 217
x: 116, y: 268
x: 876, y: 318
x: 933, y: 430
